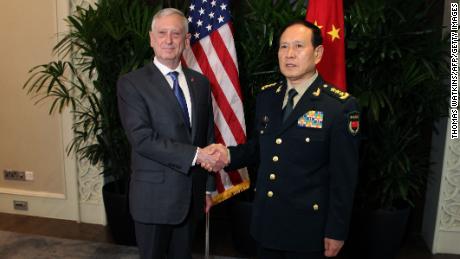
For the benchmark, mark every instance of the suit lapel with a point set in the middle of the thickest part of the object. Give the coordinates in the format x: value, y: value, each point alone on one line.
x: 193, y: 101
x: 162, y: 87
x: 306, y: 103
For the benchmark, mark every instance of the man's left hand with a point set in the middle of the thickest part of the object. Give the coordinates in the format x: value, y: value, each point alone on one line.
x: 332, y: 247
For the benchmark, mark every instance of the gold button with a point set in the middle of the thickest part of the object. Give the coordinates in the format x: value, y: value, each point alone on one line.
x: 307, y: 140
x: 272, y: 176
x: 270, y: 194
x: 315, y: 207
x: 278, y: 141
x: 275, y: 158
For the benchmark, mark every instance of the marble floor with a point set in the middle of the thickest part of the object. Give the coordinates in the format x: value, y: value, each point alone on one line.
x: 220, y: 235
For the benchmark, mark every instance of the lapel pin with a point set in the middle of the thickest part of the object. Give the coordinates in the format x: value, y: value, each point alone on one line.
x: 265, y: 121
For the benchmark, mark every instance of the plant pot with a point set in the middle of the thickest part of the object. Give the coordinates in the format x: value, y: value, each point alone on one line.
x: 377, y: 234
x: 119, y: 219
x: 243, y: 242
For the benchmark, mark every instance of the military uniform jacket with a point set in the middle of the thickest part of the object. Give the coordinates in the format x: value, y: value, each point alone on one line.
x: 307, y: 167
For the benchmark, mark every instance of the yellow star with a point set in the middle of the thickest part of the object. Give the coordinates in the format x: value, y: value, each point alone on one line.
x: 316, y: 23
x: 334, y: 33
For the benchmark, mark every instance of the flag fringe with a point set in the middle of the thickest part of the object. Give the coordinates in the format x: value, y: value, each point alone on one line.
x: 231, y: 192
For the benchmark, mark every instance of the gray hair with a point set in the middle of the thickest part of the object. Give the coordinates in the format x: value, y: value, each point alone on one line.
x: 170, y: 11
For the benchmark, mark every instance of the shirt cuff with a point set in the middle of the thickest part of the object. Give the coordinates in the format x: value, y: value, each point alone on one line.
x: 196, y: 156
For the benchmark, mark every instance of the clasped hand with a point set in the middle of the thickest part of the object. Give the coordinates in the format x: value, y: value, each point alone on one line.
x: 213, y: 157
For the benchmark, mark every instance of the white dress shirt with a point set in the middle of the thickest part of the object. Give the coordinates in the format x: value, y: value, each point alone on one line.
x: 182, y: 83
x: 300, y: 88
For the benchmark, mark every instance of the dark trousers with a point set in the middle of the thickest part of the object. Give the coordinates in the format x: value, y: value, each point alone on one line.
x: 267, y: 253
x: 159, y: 241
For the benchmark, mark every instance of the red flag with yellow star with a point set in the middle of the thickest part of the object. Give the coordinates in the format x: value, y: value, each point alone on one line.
x: 328, y: 16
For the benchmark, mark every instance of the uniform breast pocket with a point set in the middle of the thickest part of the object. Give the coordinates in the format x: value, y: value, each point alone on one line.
x: 311, y: 145
x: 309, y: 136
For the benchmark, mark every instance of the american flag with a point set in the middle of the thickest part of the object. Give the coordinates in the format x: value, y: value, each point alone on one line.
x: 213, y: 54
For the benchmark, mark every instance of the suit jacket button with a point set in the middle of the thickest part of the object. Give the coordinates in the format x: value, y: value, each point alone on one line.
x: 261, y: 131
x: 278, y: 141
x: 315, y: 207
x: 270, y: 194
x: 307, y: 139
x: 272, y: 177
x: 275, y: 158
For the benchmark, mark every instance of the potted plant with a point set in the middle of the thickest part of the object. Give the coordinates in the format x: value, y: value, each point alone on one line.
x: 103, y: 42
x: 396, y: 67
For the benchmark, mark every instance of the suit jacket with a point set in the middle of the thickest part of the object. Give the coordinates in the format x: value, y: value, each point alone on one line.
x: 162, y: 146
x: 307, y: 167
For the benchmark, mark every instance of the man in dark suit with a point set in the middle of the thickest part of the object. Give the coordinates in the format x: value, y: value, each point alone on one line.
x: 306, y: 147
x: 166, y: 111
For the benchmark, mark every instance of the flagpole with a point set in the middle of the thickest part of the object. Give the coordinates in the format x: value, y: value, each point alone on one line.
x: 206, y: 245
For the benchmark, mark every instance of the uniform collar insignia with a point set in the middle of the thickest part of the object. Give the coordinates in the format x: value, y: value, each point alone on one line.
x: 317, y: 92
x: 279, y: 89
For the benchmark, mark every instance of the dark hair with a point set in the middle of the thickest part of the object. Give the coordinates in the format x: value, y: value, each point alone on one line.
x: 317, y: 38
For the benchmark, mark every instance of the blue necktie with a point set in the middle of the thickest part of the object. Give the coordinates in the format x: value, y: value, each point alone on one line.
x: 290, y: 104
x: 180, y: 96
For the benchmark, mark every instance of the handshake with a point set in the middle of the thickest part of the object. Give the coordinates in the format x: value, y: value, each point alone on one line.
x: 213, y: 157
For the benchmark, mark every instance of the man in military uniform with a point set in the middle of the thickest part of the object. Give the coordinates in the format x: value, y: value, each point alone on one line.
x: 307, y: 151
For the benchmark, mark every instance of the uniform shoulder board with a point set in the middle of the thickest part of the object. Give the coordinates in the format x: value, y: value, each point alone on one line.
x: 336, y: 92
x: 268, y: 86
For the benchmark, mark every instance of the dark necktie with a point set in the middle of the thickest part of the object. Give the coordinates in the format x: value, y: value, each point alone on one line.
x: 180, y: 96
x: 290, y: 104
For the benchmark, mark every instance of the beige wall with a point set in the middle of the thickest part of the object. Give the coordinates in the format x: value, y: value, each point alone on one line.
x: 30, y: 139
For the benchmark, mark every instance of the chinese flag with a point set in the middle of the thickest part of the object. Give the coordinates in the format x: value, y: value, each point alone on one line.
x: 328, y: 16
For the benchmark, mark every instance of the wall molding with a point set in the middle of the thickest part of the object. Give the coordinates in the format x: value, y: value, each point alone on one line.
x: 22, y: 192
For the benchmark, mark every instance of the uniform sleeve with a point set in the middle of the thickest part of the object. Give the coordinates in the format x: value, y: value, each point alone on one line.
x: 143, y: 137
x: 343, y: 169
x: 246, y: 154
